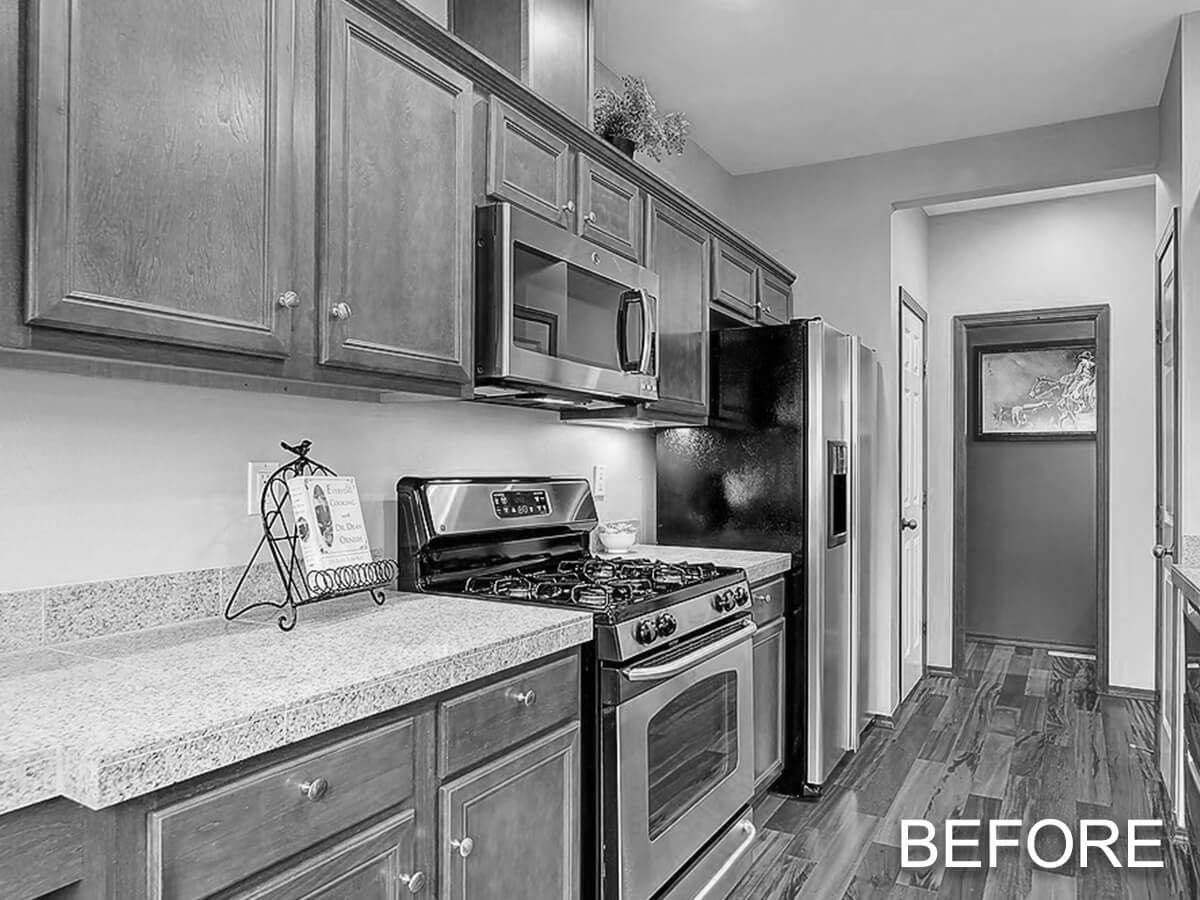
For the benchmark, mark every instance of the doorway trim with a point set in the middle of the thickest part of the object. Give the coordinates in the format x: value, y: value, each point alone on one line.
x: 908, y: 300
x: 1099, y: 314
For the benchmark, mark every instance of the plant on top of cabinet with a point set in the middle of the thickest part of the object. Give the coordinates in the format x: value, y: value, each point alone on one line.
x: 629, y: 121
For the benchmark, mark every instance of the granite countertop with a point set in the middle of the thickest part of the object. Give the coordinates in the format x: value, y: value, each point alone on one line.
x: 1188, y: 578
x: 759, y: 565
x: 105, y: 720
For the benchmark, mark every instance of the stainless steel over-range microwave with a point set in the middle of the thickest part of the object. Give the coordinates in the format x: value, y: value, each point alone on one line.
x: 559, y: 317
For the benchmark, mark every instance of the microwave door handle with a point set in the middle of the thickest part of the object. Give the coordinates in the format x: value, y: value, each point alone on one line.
x: 628, y: 298
x: 649, y: 334
x: 678, y: 666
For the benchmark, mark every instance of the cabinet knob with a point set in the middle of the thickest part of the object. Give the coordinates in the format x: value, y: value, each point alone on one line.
x: 464, y: 847
x: 414, y: 882
x: 591, y: 216
x: 1160, y: 551
x: 908, y: 524
x: 314, y: 790
x: 762, y: 598
x: 341, y: 311
x: 569, y: 206
x: 289, y: 299
x: 526, y: 698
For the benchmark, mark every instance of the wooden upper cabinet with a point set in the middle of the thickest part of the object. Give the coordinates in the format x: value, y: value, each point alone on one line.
x: 610, y: 209
x: 678, y: 250
x: 774, y: 299
x: 161, y: 191
x: 511, y: 828
x: 529, y: 166
x: 734, y: 280
x: 546, y: 44
x: 394, y: 223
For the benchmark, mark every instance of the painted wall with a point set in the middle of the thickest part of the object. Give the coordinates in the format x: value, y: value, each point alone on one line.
x: 1081, y: 250
x: 695, y: 172
x: 109, y: 479
x: 832, y: 223
x: 1031, y: 511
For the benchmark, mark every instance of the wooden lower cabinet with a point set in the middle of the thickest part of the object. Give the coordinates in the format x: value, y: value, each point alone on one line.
x: 376, y: 864
x: 769, y: 674
x: 511, y: 828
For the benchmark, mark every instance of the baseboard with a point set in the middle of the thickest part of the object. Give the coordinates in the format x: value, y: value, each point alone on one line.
x: 1131, y: 693
x: 940, y: 671
x: 878, y: 720
x: 1032, y: 645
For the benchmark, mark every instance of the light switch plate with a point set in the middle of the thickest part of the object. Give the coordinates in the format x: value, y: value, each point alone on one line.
x: 257, y: 473
x: 599, y: 481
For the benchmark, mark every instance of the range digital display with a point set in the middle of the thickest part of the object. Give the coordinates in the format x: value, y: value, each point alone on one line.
x: 519, y: 504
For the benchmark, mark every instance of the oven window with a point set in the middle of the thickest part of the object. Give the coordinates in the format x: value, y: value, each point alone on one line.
x: 692, y: 747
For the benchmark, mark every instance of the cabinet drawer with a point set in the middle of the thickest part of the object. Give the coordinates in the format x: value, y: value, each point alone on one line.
x: 768, y: 600
x: 611, y: 210
x: 218, y: 838
x: 499, y: 716
x: 529, y: 166
x: 734, y: 280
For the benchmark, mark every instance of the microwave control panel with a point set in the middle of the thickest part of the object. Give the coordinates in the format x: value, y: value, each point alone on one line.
x: 519, y: 504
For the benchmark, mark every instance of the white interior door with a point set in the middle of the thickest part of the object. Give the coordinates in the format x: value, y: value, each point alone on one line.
x: 912, y: 494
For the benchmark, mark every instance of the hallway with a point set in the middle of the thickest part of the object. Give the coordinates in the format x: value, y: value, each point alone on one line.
x: 1023, y: 735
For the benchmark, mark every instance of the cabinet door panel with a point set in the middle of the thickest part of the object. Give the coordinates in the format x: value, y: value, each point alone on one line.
x: 395, y: 219
x: 161, y: 185
x: 610, y: 209
x: 775, y: 300
x: 768, y: 703
x: 679, y: 253
x: 735, y: 280
x: 529, y: 166
x: 372, y: 865
x: 521, y: 815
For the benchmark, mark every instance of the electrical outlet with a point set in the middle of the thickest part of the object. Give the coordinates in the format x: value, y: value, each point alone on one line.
x: 257, y: 474
x: 599, y: 481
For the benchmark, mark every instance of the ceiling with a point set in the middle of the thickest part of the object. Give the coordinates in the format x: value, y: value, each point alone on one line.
x: 768, y: 84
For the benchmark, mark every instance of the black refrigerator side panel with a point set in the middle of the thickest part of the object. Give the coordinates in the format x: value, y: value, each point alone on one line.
x: 739, y: 484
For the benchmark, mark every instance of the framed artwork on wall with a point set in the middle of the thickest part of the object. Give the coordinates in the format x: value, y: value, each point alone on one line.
x: 1036, y: 391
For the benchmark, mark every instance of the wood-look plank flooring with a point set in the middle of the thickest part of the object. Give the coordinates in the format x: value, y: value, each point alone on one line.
x: 1020, y: 735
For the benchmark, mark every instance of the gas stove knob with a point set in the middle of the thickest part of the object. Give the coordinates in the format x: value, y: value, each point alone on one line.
x: 723, y: 602
x: 665, y: 625
x: 645, y: 633
x: 741, y: 595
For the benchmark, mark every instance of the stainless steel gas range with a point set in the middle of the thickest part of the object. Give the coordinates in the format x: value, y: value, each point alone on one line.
x: 668, y: 704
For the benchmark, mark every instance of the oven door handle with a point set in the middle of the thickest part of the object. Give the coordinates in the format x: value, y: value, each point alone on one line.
x: 677, y: 666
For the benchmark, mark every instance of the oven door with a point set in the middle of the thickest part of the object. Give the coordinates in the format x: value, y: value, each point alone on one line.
x: 560, y: 315
x: 684, y: 756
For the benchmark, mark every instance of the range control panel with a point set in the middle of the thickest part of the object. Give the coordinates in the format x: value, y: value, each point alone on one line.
x: 519, y: 504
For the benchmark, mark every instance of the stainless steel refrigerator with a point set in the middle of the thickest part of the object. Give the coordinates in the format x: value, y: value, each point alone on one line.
x: 788, y: 463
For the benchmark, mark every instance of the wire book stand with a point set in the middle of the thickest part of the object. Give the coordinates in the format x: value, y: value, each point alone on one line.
x: 301, y: 588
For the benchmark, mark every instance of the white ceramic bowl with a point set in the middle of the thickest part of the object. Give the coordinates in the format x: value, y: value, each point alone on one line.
x: 617, y: 541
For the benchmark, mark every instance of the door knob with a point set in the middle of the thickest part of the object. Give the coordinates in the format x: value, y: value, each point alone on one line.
x: 414, y: 882
x: 289, y: 299
x: 341, y: 311
x: 909, y: 524
x: 1160, y: 551
x: 464, y: 847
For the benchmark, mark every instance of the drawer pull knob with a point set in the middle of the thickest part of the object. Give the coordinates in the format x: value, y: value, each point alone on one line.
x: 314, y: 790
x: 289, y: 299
x: 762, y: 598
x: 414, y: 882
x: 526, y: 698
x: 464, y: 847
x: 341, y: 311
